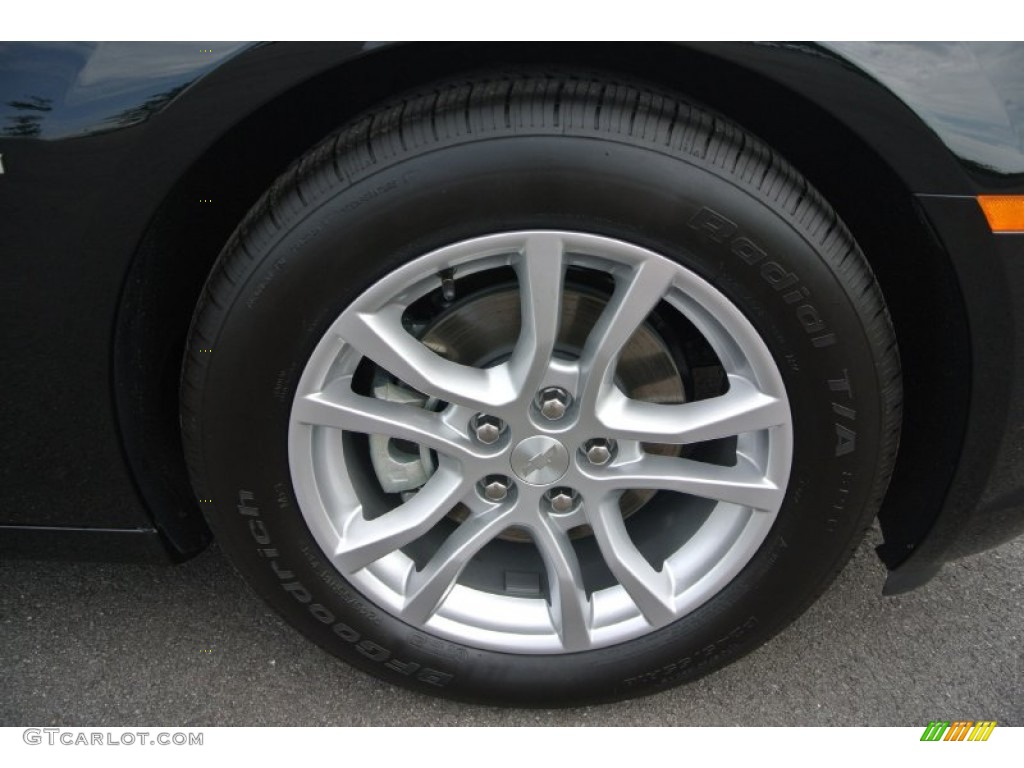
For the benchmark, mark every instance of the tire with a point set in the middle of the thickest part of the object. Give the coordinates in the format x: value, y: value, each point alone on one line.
x: 713, y: 355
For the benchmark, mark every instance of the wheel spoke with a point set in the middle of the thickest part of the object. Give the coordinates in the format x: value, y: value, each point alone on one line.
x: 570, y: 609
x: 744, y: 408
x: 339, y: 407
x: 651, y: 590
x: 636, y: 294
x: 381, y: 337
x: 366, y: 541
x: 742, y: 484
x: 426, y: 589
x: 540, y: 269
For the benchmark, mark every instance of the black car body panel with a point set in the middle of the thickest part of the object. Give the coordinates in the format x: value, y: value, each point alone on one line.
x: 126, y: 167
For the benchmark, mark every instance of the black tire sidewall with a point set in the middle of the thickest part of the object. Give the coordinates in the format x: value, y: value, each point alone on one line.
x: 301, y: 279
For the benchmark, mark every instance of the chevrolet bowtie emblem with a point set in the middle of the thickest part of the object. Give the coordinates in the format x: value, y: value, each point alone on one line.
x: 541, y: 460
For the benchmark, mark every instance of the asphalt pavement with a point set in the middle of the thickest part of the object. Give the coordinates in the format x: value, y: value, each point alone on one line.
x: 104, y: 645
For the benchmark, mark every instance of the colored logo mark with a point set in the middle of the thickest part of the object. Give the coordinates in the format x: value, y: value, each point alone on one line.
x: 960, y: 730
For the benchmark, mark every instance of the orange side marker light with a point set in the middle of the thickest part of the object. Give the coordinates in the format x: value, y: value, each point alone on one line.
x: 1005, y: 213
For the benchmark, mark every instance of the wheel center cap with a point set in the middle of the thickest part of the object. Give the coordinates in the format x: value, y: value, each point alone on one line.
x: 540, y: 460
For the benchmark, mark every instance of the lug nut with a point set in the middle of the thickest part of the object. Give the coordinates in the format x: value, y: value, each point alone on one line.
x: 487, y: 429
x: 599, y: 450
x: 495, y: 487
x: 553, y: 402
x: 562, y: 499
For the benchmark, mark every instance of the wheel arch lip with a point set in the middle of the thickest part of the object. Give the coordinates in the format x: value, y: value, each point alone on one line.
x: 981, y: 505
x: 174, y: 136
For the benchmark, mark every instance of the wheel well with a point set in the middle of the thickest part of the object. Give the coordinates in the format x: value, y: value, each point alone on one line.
x: 184, y: 239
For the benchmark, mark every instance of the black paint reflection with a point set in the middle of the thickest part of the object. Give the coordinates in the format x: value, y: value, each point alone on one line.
x: 61, y: 90
x: 971, y: 94
x: 26, y: 119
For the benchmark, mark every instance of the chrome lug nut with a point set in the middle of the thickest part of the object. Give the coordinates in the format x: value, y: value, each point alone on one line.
x: 599, y: 450
x: 553, y: 402
x: 487, y: 429
x: 562, y: 500
x: 495, y: 487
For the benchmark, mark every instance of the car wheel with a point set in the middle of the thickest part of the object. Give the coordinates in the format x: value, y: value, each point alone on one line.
x: 540, y: 389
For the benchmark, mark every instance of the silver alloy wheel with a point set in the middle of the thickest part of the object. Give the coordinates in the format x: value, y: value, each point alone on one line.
x: 365, y: 541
